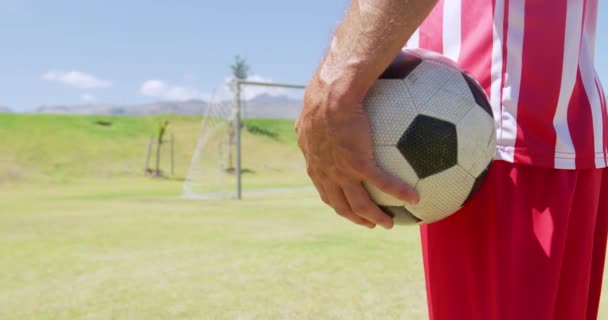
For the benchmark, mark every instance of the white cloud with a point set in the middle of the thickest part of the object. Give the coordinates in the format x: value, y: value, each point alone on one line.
x: 250, y: 92
x: 153, y: 88
x: 76, y: 79
x: 160, y: 89
x: 87, y: 97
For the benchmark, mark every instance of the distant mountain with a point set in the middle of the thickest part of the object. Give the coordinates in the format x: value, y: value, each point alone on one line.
x: 267, y: 106
x: 262, y: 106
x: 4, y: 109
x: 186, y: 107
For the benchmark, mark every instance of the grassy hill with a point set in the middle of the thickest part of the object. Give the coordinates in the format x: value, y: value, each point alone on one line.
x: 61, y: 148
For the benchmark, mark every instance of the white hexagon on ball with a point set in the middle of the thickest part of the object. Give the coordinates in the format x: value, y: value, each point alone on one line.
x: 387, y: 105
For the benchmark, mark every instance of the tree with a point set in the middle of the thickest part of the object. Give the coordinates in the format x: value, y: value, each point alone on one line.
x: 240, y: 68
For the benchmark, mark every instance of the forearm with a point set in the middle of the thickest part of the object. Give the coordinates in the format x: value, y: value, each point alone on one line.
x: 366, y: 42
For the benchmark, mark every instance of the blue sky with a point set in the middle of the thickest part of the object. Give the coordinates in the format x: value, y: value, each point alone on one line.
x: 112, y: 51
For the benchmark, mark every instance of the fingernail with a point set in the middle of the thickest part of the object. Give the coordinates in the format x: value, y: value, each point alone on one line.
x: 415, y: 199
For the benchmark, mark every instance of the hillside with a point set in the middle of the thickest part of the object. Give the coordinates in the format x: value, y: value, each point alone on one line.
x: 66, y: 148
x: 262, y: 106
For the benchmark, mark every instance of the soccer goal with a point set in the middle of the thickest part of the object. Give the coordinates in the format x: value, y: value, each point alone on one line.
x: 242, y: 149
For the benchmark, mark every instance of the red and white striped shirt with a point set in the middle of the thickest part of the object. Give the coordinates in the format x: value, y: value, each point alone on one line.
x: 535, y: 59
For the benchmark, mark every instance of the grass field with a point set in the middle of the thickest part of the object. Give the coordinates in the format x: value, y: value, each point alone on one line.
x: 134, y: 250
x: 84, y: 236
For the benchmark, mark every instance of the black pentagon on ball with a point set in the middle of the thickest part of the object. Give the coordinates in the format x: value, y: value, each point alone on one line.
x: 480, y: 96
x: 402, y: 66
x: 430, y: 145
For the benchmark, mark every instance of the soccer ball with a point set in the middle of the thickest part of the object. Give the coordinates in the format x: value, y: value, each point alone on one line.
x: 432, y: 126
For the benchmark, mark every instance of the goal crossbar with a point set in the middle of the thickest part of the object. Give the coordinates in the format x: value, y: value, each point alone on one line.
x: 269, y: 84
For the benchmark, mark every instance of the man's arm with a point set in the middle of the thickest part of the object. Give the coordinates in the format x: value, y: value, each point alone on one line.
x: 333, y: 129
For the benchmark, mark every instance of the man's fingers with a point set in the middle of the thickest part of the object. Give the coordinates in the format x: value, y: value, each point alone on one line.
x: 363, y: 206
x: 390, y: 184
x: 339, y: 203
x: 356, y: 219
x: 320, y: 189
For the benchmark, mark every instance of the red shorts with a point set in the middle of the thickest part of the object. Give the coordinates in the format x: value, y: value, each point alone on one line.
x: 529, y: 245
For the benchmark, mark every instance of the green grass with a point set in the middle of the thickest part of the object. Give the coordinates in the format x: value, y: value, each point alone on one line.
x: 91, y: 252
x: 280, y: 130
x: 58, y: 148
x: 83, y: 235
x: 65, y: 149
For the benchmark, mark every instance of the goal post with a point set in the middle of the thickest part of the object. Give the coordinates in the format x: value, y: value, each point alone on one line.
x: 237, y: 83
x: 215, y: 174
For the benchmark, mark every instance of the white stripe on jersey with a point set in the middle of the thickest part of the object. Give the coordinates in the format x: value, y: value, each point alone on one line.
x: 452, y: 29
x: 590, y: 26
x: 497, y: 63
x: 515, y: 38
x: 564, y: 148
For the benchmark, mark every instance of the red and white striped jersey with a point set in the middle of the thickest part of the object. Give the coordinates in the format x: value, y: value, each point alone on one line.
x: 535, y: 59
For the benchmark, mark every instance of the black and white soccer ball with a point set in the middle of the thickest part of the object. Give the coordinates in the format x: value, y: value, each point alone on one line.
x: 432, y: 126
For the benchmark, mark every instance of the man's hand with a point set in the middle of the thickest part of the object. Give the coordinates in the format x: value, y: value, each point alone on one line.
x: 333, y: 129
x: 336, y: 141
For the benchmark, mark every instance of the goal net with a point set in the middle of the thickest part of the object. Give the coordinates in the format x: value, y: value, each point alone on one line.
x: 247, y: 146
